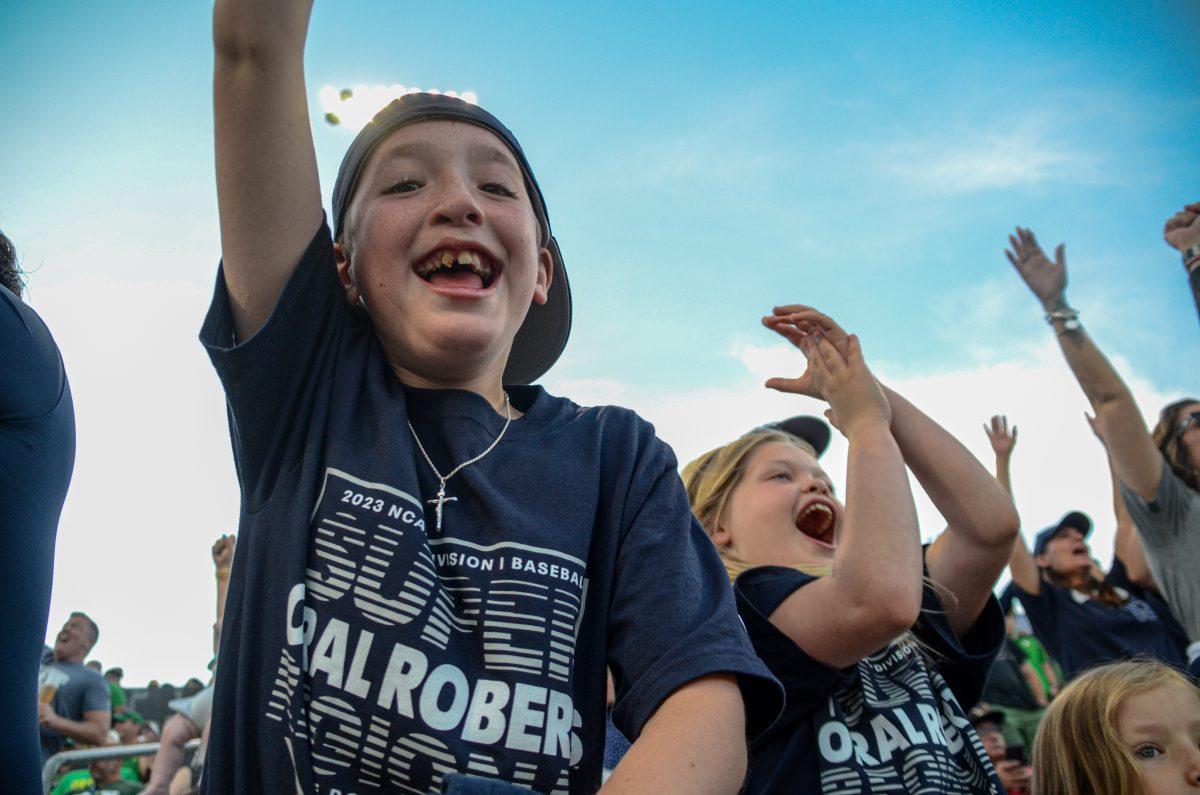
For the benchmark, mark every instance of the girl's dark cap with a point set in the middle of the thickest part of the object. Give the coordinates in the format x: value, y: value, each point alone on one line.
x: 542, y: 337
x: 813, y: 430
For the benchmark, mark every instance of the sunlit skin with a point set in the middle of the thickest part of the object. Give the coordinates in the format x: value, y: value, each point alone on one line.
x: 1068, y: 556
x: 760, y: 523
x: 1161, y: 728
x: 433, y: 185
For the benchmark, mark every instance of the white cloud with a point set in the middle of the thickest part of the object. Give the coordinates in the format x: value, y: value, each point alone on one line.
x: 1058, y: 465
x: 153, y: 484
x: 971, y: 160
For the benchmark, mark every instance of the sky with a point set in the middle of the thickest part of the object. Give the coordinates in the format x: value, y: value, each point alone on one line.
x: 702, y: 163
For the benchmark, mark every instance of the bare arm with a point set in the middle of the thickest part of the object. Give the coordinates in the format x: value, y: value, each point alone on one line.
x: 1127, y: 546
x: 91, y: 730
x: 222, y: 555
x: 1135, y: 458
x: 1034, y: 683
x: 268, y: 194
x: 982, y: 523
x: 1051, y: 677
x: 1021, y: 564
x: 874, y: 592
x: 694, y: 742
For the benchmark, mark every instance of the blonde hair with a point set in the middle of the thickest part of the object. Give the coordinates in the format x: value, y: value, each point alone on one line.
x: 1077, y: 750
x: 712, y: 478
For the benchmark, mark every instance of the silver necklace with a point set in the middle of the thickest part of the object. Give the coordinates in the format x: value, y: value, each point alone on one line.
x: 442, y: 499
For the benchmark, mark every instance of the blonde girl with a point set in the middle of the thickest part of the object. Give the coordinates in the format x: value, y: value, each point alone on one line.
x: 879, y: 643
x: 1127, y: 728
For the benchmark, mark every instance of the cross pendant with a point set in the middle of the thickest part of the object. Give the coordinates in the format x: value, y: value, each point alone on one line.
x: 441, y: 500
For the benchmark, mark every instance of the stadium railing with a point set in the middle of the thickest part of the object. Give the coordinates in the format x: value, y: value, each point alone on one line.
x: 56, y: 762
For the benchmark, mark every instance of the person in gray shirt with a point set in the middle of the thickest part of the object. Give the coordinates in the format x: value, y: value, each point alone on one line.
x: 1159, y: 472
x: 73, y: 700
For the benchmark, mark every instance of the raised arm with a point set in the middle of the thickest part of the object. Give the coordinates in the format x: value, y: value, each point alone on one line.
x: 268, y: 194
x: 1021, y: 564
x: 873, y: 594
x: 1127, y: 546
x: 1182, y: 232
x: 222, y: 555
x: 1137, y: 461
x: 982, y: 523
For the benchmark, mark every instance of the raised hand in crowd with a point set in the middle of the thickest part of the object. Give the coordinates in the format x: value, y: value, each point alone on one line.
x: 1080, y: 613
x: 1003, y: 441
x: 1159, y: 473
x: 1182, y: 232
x: 981, y: 520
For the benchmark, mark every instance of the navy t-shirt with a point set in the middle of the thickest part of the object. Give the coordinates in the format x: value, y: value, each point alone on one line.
x: 37, y: 453
x: 364, y: 650
x: 1079, y: 632
x: 893, y: 722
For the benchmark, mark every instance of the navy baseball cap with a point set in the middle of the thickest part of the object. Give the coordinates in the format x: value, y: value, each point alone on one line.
x: 543, y: 335
x: 1074, y: 519
x: 813, y: 430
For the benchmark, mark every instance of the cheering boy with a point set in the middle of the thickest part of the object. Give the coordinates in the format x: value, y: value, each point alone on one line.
x: 436, y: 561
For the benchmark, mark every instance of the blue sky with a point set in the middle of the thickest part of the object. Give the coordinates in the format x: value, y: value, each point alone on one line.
x: 701, y: 163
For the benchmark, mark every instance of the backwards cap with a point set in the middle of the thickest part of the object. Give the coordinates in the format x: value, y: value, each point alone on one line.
x: 543, y: 335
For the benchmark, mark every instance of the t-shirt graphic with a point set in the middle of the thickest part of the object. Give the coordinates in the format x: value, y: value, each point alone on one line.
x: 892, y: 722
x: 519, y: 604
x: 364, y: 650
x: 898, y: 728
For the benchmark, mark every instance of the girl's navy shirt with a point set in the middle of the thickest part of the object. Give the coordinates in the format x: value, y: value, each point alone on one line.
x: 363, y: 650
x: 893, y: 722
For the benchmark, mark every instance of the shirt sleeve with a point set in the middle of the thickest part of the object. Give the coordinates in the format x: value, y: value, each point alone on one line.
x: 806, y: 681
x: 32, y: 379
x: 672, y: 617
x: 1162, y: 520
x: 963, y: 662
x: 96, y: 697
x: 271, y: 379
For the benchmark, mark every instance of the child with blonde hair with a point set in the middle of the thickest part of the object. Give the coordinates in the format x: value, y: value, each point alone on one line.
x: 1126, y: 728
x: 880, y: 643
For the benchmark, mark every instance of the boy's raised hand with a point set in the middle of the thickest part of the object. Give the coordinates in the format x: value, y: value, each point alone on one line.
x: 1047, y: 280
x: 854, y: 396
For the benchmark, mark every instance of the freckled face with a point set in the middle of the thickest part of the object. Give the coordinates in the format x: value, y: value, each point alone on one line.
x: 783, y: 510
x: 1161, y: 727
x: 433, y: 191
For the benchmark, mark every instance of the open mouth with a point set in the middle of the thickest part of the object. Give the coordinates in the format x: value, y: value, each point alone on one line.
x: 817, y: 521
x: 464, y: 269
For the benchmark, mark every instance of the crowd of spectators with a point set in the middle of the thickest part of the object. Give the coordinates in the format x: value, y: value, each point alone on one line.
x: 80, y: 708
x: 816, y: 644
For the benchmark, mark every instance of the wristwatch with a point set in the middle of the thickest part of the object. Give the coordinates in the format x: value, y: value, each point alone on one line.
x: 1068, y: 317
